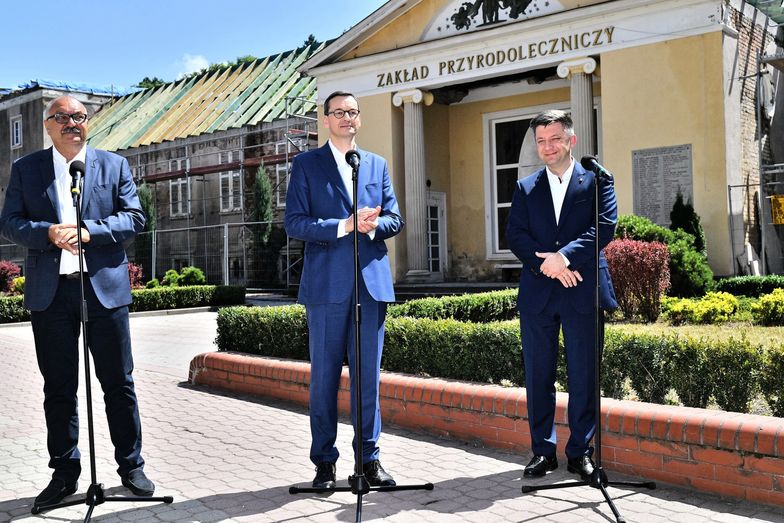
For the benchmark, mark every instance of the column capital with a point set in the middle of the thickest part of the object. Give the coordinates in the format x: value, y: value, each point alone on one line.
x: 585, y: 65
x: 412, y: 96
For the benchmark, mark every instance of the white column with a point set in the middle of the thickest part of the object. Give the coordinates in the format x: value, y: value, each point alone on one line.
x: 416, y: 197
x: 580, y: 71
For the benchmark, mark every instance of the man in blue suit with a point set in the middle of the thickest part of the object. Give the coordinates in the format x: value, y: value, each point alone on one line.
x: 551, y: 230
x: 39, y: 214
x: 319, y: 212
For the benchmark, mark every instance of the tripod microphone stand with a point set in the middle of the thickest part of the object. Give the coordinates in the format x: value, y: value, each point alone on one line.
x: 95, y: 493
x: 598, y: 478
x: 358, y: 483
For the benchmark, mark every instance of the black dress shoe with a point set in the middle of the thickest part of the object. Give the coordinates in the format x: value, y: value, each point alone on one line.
x: 325, y: 475
x: 539, y: 466
x: 55, y: 491
x: 138, y: 483
x: 582, y: 466
x: 376, y: 475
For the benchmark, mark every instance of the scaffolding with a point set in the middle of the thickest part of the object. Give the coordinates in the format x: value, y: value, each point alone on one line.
x: 771, y: 173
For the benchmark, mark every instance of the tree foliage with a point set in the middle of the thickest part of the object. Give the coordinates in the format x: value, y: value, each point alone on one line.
x: 150, y: 83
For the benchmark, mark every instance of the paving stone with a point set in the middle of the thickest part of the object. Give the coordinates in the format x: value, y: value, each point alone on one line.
x: 231, y: 458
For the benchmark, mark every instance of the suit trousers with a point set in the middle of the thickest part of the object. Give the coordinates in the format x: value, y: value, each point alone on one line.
x: 56, y: 331
x: 539, y: 334
x: 331, y: 335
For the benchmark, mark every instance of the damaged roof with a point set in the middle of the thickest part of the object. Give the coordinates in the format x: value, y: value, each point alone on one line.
x: 230, y: 97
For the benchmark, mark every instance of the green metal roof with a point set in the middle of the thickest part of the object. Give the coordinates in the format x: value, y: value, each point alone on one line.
x: 232, y: 97
x: 773, y: 9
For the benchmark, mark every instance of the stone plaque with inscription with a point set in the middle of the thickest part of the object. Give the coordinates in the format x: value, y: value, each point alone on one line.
x: 658, y: 174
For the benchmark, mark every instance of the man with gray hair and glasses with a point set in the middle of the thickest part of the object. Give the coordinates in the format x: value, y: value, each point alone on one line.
x: 39, y: 214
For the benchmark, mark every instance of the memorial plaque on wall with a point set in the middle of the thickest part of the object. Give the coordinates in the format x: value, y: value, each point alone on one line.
x: 657, y: 175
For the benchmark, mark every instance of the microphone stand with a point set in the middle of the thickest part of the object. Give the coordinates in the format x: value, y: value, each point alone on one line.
x: 598, y: 479
x: 95, y: 492
x: 358, y: 483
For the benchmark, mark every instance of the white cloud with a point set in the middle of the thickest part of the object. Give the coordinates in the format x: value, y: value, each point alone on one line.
x: 191, y: 63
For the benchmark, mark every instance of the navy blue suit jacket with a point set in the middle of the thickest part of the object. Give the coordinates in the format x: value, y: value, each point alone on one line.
x: 532, y: 228
x: 317, y: 200
x: 111, y: 212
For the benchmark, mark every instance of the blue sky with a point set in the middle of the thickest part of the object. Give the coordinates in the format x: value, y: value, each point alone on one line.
x: 113, y: 42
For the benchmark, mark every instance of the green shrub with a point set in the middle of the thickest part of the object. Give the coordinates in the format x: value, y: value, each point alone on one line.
x: 12, y: 309
x: 445, y: 348
x: 690, y: 274
x: 191, y: 276
x: 734, y: 365
x: 689, y: 369
x: 153, y: 283
x: 684, y: 218
x: 752, y: 286
x: 163, y: 298
x: 772, y: 379
x: 171, y: 278
x: 643, y: 359
x: 769, y: 310
x: 714, y: 307
x: 479, y: 308
x: 18, y: 286
x: 266, y: 331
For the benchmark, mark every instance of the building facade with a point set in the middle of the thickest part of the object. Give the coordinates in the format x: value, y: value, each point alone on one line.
x: 659, y: 90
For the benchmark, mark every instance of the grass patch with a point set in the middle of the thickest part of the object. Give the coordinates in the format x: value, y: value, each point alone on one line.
x: 755, y: 334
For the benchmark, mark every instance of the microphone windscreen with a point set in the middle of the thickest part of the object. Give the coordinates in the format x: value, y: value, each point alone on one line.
x: 588, y: 162
x: 352, y: 158
x: 77, y: 167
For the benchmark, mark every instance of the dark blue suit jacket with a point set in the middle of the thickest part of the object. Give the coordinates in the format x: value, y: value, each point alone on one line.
x: 532, y: 228
x: 111, y: 212
x: 317, y: 200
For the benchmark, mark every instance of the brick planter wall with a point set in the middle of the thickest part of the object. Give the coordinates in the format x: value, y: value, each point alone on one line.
x: 737, y: 455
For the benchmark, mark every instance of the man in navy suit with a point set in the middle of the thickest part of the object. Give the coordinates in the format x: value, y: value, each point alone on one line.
x: 319, y: 212
x: 551, y: 230
x: 39, y: 214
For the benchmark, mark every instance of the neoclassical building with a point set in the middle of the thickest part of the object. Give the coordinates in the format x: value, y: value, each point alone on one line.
x: 663, y: 91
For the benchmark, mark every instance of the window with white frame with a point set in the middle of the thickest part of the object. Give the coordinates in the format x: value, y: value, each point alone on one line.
x: 282, y: 172
x: 16, y: 132
x: 230, y: 183
x: 510, y: 155
x: 179, y: 197
x: 507, y: 135
x: 281, y: 183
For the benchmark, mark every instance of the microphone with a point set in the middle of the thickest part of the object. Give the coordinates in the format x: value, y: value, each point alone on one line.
x: 589, y: 163
x: 77, y: 172
x: 352, y: 158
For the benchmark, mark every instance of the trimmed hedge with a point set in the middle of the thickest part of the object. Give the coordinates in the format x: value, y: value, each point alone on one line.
x: 479, y: 308
x: 730, y: 371
x: 12, y: 307
x: 752, y: 286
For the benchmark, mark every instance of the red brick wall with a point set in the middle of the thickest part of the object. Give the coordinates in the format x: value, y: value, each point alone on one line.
x: 737, y: 455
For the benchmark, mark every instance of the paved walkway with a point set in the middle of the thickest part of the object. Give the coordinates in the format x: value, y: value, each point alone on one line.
x: 232, y: 458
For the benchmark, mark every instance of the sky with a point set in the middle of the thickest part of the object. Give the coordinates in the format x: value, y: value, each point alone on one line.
x: 113, y: 42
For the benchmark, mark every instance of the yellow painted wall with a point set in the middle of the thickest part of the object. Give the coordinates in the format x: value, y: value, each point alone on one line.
x: 466, y: 200
x: 401, y: 32
x: 665, y: 94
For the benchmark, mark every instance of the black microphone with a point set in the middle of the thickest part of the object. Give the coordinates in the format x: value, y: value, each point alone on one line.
x: 352, y: 158
x: 589, y: 163
x: 77, y: 171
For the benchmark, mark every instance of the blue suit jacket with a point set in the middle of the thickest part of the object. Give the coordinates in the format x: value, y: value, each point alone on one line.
x: 111, y: 212
x: 532, y: 228
x: 317, y: 200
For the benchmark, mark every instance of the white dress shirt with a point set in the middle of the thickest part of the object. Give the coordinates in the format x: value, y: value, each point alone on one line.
x: 558, y: 186
x: 346, y: 173
x: 69, y: 263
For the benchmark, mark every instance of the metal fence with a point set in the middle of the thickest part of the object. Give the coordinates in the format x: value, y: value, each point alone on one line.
x: 257, y: 255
